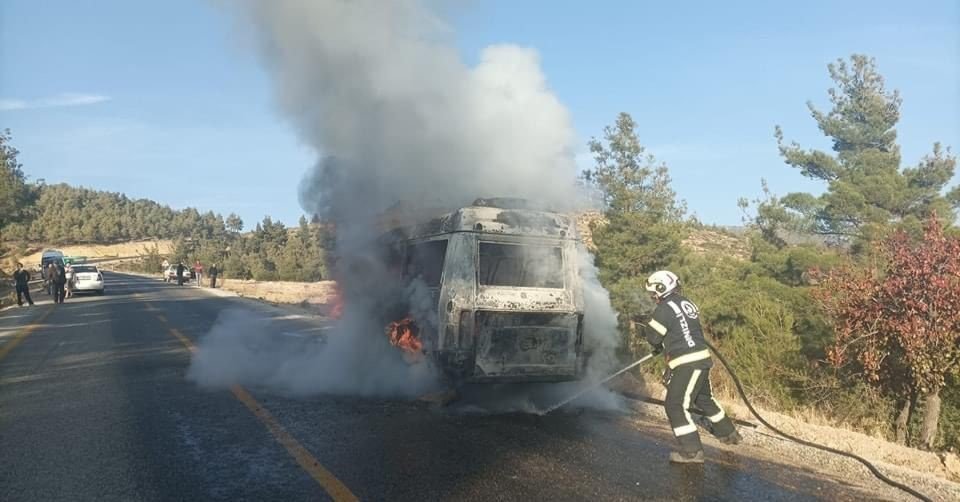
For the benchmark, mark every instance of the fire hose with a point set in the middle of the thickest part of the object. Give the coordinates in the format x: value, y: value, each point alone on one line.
x: 743, y: 395
x: 588, y: 388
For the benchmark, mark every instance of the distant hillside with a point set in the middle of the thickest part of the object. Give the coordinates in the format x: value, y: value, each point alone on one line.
x: 103, y: 252
x: 728, y: 241
x: 720, y: 241
x: 64, y: 214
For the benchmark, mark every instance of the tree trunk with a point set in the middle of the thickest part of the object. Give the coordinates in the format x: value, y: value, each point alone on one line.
x: 903, y: 418
x: 931, y: 417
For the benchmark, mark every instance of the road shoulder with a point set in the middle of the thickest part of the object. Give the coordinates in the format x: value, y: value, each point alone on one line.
x: 763, y: 444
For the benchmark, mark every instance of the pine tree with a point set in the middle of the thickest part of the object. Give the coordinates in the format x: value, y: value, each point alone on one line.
x: 234, y: 223
x: 866, y: 190
x: 16, y: 197
x: 643, y: 229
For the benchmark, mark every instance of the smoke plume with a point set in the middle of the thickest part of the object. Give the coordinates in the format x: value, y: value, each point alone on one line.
x: 379, y: 90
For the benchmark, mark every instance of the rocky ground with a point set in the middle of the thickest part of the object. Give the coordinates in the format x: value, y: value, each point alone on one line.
x: 935, y: 475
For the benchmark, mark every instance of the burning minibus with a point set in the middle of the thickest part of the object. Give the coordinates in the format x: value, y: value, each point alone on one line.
x: 499, y: 293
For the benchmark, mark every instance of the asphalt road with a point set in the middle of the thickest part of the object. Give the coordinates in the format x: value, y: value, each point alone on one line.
x: 94, y: 405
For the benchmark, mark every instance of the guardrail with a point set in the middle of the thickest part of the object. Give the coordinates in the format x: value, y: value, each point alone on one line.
x: 8, y: 294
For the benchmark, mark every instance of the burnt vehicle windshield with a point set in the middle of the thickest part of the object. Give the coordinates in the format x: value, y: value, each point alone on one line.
x: 520, y: 265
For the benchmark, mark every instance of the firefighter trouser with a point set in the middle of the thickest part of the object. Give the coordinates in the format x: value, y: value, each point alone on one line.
x: 690, y: 386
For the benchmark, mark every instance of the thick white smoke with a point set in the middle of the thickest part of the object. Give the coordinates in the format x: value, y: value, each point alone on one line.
x: 379, y: 90
x: 380, y: 86
x: 243, y: 348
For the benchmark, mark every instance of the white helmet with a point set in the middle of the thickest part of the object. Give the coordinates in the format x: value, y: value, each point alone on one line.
x: 662, y: 283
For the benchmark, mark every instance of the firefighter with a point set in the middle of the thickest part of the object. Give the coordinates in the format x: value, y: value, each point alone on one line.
x: 674, y: 329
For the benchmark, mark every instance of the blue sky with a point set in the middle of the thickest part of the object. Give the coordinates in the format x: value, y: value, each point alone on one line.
x: 165, y: 100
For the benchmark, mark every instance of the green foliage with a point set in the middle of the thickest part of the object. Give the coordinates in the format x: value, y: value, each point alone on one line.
x: 65, y: 214
x: 643, y: 230
x: 234, y: 223
x: 753, y: 320
x: 949, y: 435
x: 62, y: 214
x: 271, y: 252
x: 634, y: 245
x: 150, y: 258
x: 149, y: 261
x: 867, y: 197
x: 16, y: 197
x: 847, y: 402
x: 866, y: 190
x: 629, y: 179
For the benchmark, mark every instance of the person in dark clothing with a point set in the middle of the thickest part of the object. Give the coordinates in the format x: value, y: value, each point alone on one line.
x: 21, y: 280
x: 675, y: 330
x: 180, y: 269
x: 48, y: 278
x: 59, y: 279
x: 213, y: 275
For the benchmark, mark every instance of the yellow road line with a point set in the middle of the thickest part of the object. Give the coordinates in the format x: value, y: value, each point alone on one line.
x: 25, y: 332
x: 183, y: 339
x: 333, y: 486
x: 162, y: 318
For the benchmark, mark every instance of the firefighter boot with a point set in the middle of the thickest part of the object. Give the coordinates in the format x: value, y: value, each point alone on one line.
x: 732, y: 438
x: 679, y: 457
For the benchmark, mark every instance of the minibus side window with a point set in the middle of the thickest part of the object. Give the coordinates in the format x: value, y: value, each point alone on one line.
x: 425, y: 260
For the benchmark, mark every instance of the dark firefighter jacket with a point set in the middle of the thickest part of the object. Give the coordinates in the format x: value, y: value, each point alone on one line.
x: 676, y: 324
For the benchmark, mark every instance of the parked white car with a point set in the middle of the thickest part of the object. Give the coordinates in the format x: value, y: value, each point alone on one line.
x: 170, y: 274
x: 87, y: 278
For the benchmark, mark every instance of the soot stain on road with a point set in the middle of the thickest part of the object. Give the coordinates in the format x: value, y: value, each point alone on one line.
x: 410, y: 450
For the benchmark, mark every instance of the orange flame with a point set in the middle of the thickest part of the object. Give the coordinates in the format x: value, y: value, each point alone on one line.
x: 404, y: 334
x: 335, y: 304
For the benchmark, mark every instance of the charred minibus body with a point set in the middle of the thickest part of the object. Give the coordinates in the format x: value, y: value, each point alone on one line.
x: 505, y: 290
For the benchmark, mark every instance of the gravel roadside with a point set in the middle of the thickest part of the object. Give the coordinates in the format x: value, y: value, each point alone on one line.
x: 762, y: 443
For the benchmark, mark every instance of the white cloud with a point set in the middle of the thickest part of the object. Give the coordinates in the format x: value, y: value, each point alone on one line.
x: 57, y: 100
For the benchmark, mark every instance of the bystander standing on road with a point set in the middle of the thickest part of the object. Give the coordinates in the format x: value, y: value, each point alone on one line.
x: 21, y: 281
x: 214, y: 271
x: 59, y: 281
x: 70, y: 278
x: 48, y: 283
x: 163, y: 267
x: 180, y: 270
x: 198, y: 271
